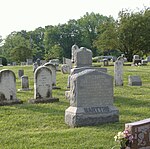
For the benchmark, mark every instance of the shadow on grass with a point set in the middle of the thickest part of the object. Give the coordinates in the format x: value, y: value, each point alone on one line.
x: 43, y: 108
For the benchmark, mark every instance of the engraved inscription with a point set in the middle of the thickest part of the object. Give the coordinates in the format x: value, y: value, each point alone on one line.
x: 95, y: 110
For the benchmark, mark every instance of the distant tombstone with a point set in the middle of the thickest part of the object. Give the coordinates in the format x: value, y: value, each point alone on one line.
x: 53, y: 70
x: 55, y: 62
x: 20, y: 73
x: 43, y: 86
x: 14, y: 63
x: 91, y: 99
x: 29, y: 62
x: 38, y: 62
x: 8, y: 88
x: 141, y: 134
x: 42, y: 62
x: 134, y: 81
x: 35, y: 66
x: 83, y: 57
x: 65, y: 69
x: 105, y: 62
x: 24, y: 83
x: 118, y: 73
x: 67, y: 61
x: 74, y: 49
x: 23, y: 63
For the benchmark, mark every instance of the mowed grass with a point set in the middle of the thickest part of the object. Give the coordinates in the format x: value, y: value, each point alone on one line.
x: 42, y: 126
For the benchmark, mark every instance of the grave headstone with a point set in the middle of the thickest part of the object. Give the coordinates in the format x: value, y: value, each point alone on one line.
x: 23, y: 63
x: 43, y: 86
x: 8, y: 88
x: 29, y: 62
x: 91, y: 99
x: 65, y: 69
x: 35, y: 66
x: 134, y: 80
x: 141, y: 134
x: 105, y: 62
x: 38, y: 62
x: 14, y: 63
x: 67, y: 61
x: 55, y: 62
x: 118, y: 73
x: 42, y: 62
x: 53, y: 70
x: 74, y: 49
x: 24, y: 83
x: 83, y: 57
x: 20, y: 73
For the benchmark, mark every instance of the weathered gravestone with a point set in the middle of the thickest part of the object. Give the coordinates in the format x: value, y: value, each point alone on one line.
x: 67, y: 61
x: 83, y: 57
x: 53, y: 70
x: 55, y: 62
x: 105, y: 62
x: 43, y: 86
x: 91, y: 99
x: 134, y: 81
x: 74, y: 49
x: 29, y: 62
x: 118, y: 73
x: 35, y: 66
x: 24, y: 83
x: 8, y: 88
x: 141, y: 134
x: 20, y: 73
x: 65, y: 69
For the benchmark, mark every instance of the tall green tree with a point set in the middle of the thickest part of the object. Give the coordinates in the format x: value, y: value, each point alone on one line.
x: 17, y: 47
x: 107, y: 39
x: 134, y: 32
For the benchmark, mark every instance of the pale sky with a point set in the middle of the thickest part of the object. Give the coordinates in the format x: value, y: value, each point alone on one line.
x: 17, y: 15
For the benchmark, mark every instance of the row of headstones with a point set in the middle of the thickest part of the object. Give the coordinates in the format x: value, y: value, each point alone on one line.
x: 91, y: 100
x: 118, y: 75
x: 44, y: 82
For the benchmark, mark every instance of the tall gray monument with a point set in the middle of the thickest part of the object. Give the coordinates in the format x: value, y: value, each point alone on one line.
x: 91, y: 99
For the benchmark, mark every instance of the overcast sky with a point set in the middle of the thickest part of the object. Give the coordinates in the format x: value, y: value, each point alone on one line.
x: 17, y: 15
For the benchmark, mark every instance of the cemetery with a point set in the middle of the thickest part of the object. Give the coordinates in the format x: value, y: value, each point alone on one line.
x: 101, y: 101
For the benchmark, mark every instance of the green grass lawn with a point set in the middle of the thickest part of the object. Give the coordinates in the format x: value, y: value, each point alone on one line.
x: 42, y: 126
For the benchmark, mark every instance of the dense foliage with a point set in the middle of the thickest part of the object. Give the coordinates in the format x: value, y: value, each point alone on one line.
x: 130, y: 34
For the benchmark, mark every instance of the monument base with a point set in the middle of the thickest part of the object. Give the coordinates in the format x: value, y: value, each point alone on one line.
x: 90, y: 116
x: 44, y: 100
x: 10, y: 102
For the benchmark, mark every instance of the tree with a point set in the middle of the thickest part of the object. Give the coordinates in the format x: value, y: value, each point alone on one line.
x: 17, y: 47
x: 107, y: 39
x: 56, y: 52
x: 89, y: 24
x: 134, y: 32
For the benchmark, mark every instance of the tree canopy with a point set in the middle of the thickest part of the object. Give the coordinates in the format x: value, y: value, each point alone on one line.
x: 129, y: 34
